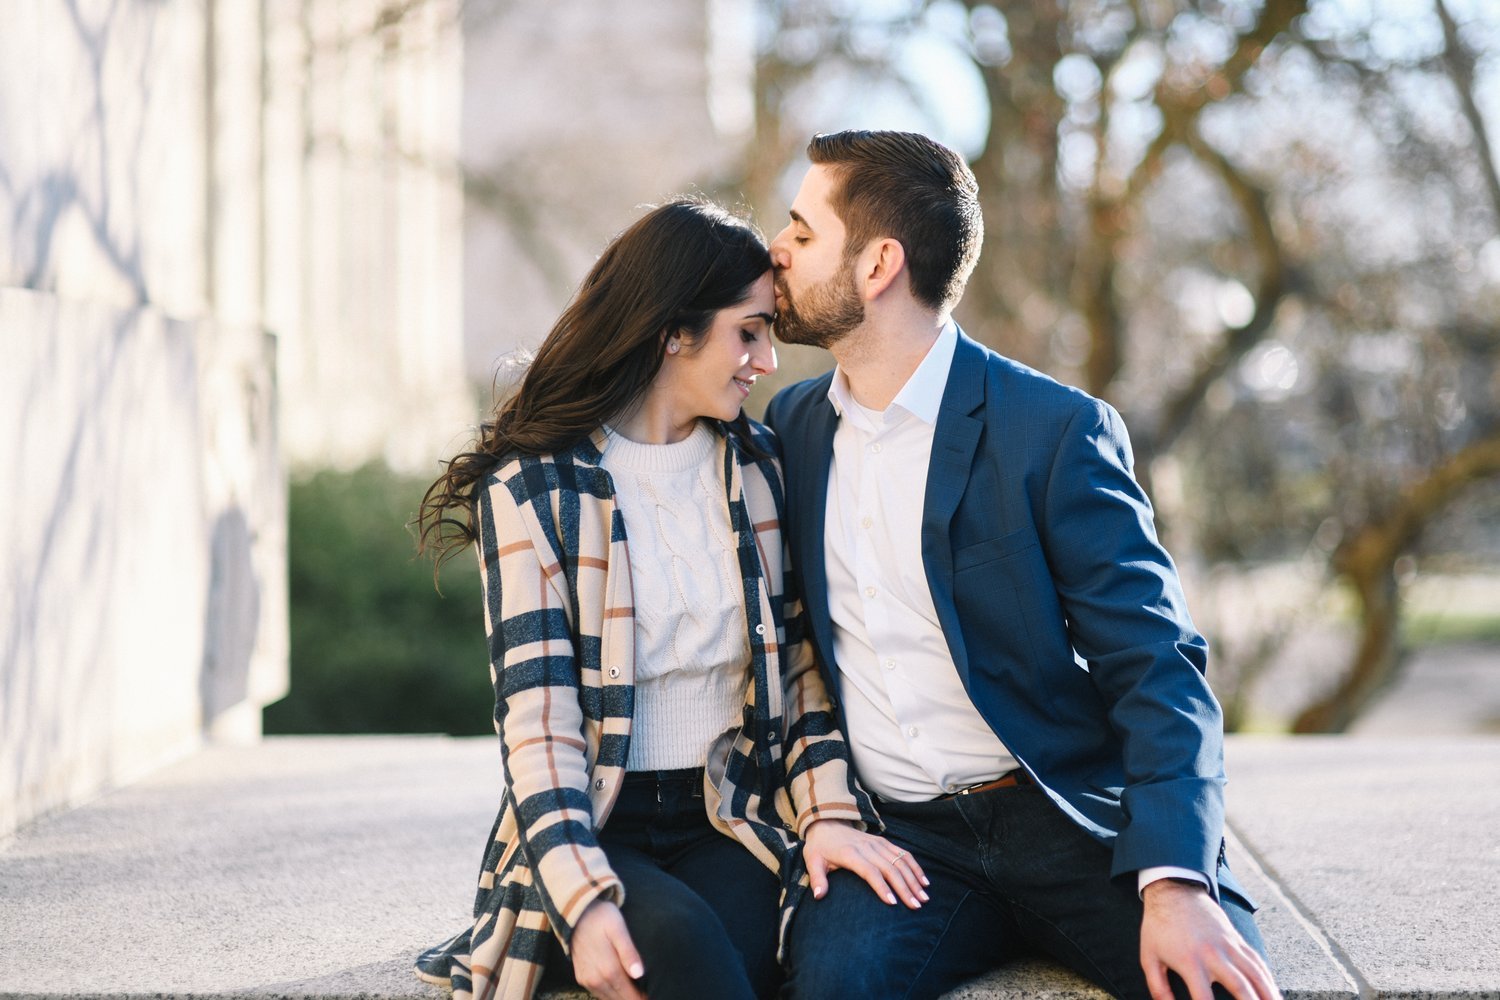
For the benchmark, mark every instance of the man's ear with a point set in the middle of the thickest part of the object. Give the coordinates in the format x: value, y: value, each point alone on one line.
x: 880, y: 265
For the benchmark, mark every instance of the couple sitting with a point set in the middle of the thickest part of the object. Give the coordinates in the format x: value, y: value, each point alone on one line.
x: 930, y: 702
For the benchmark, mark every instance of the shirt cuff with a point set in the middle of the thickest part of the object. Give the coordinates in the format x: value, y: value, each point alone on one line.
x: 1146, y: 876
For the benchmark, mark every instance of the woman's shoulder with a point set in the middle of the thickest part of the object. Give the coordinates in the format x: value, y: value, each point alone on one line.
x: 527, y: 474
x: 757, y: 442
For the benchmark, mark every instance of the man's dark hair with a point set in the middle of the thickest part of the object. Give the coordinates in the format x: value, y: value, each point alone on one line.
x: 913, y: 190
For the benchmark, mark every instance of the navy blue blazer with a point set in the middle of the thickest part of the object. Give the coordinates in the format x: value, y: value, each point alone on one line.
x: 1064, y: 615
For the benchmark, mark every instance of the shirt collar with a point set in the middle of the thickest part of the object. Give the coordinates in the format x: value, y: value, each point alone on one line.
x: 922, y: 394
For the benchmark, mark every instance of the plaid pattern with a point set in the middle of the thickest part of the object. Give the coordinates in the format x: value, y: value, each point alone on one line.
x: 555, y: 568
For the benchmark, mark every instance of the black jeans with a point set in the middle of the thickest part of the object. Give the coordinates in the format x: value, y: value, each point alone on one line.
x: 1011, y: 875
x: 701, y: 910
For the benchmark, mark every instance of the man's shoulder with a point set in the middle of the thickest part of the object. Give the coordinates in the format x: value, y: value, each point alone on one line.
x: 796, y: 397
x: 1011, y: 382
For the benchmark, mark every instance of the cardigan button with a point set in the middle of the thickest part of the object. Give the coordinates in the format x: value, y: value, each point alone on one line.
x: 760, y: 629
x: 599, y: 784
x: 614, y: 671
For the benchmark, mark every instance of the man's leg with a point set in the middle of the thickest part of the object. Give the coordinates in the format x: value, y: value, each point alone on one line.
x: 851, y: 943
x: 1055, y: 878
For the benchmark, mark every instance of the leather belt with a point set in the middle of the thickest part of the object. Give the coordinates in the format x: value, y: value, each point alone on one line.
x: 1012, y: 779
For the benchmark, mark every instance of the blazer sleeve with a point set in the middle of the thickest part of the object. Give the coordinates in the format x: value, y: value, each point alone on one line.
x: 1127, y: 617
x: 538, y: 717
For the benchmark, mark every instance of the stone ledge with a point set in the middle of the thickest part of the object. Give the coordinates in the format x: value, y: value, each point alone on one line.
x: 318, y: 867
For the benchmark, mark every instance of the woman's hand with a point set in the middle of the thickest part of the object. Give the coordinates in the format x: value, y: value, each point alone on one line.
x: 890, y: 871
x: 605, y: 961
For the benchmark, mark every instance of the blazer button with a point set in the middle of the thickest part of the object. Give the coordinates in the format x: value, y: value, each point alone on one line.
x: 760, y: 629
x: 599, y: 784
x: 614, y: 671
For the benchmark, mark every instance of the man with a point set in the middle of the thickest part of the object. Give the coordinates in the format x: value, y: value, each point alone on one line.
x: 1008, y: 644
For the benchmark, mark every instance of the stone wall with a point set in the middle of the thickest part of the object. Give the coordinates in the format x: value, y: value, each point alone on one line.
x: 144, y: 591
x: 229, y: 242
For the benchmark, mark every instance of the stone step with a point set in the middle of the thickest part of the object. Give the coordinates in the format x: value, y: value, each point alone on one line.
x: 318, y: 867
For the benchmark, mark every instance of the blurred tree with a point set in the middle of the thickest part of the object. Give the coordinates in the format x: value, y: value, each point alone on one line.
x: 1192, y: 208
x: 1267, y: 230
x: 374, y: 649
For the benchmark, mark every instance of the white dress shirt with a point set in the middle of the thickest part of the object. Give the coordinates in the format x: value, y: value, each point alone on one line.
x: 912, y: 729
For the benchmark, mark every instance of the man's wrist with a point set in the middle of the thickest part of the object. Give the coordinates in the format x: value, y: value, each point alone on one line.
x: 1147, y: 876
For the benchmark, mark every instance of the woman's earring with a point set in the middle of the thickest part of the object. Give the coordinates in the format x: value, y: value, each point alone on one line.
x: 673, y: 346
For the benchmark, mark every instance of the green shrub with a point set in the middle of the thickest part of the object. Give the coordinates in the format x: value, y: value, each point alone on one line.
x: 374, y: 647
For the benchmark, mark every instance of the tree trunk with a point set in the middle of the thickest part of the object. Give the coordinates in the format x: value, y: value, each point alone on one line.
x: 1375, y: 661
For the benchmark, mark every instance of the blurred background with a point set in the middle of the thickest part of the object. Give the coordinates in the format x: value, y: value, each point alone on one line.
x: 264, y: 261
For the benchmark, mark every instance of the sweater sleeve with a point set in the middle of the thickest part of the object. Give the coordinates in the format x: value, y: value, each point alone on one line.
x: 535, y: 671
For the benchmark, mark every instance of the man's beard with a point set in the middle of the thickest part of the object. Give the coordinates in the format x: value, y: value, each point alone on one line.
x: 832, y: 309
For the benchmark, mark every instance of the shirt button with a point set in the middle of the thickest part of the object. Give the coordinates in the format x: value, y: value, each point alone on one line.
x: 875, y: 447
x: 890, y: 664
x: 614, y: 671
x: 911, y: 731
x: 869, y: 591
x: 950, y: 789
x: 868, y: 522
x: 760, y: 629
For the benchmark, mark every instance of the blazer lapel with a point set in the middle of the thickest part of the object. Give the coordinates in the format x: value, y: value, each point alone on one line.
x: 811, y: 506
x: 954, y: 441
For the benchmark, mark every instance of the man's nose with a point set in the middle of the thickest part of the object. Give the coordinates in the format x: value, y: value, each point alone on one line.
x: 780, y: 257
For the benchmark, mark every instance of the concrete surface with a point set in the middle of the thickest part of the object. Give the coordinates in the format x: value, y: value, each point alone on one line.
x: 1389, y: 847
x: 317, y: 867
x: 1444, y: 689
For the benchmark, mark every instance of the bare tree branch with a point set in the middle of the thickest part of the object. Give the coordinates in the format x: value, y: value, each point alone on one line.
x: 1382, y: 541
x: 1235, y: 342
x: 1367, y: 561
x: 1459, y: 62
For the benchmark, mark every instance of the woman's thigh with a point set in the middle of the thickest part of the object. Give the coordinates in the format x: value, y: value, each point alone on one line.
x: 686, y: 945
x: 744, y: 894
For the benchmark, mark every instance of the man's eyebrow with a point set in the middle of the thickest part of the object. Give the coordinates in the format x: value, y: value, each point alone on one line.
x: 797, y: 218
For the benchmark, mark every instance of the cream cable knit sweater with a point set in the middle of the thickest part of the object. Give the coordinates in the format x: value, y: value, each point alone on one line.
x: 692, y: 650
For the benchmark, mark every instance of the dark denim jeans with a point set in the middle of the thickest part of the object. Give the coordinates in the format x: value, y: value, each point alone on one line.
x: 1011, y: 876
x: 700, y: 908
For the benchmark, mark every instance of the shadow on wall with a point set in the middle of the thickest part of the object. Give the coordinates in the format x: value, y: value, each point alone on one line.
x: 233, y: 618
x: 144, y: 544
x: 94, y: 192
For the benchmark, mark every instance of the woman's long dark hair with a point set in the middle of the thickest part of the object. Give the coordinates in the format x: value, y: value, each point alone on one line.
x: 668, y: 273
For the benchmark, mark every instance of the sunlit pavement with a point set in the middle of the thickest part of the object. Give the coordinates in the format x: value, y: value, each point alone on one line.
x: 317, y: 867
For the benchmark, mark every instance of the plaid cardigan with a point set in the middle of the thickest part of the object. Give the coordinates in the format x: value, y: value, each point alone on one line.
x: 555, y: 567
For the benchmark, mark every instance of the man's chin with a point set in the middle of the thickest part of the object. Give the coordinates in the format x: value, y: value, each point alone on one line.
x: 803, y: 336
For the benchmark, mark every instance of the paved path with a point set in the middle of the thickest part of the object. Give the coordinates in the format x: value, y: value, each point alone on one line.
x: 316, y: 867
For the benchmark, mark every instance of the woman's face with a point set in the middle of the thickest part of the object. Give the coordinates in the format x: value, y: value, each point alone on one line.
x: 712, y: 377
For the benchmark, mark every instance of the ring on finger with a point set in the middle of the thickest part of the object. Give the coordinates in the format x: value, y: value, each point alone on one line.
x: 898, y: 857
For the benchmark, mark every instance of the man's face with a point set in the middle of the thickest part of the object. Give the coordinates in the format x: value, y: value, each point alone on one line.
x: 817, y: 299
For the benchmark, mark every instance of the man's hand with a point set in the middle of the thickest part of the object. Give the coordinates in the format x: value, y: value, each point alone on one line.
x: 604, y: 959
x: 1185, y: 931
x: 890, y: 871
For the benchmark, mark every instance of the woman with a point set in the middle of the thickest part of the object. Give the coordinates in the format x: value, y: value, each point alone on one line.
x: 665, y: 737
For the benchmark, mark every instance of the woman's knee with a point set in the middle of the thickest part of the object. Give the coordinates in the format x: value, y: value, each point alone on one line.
x: 685, y: 948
